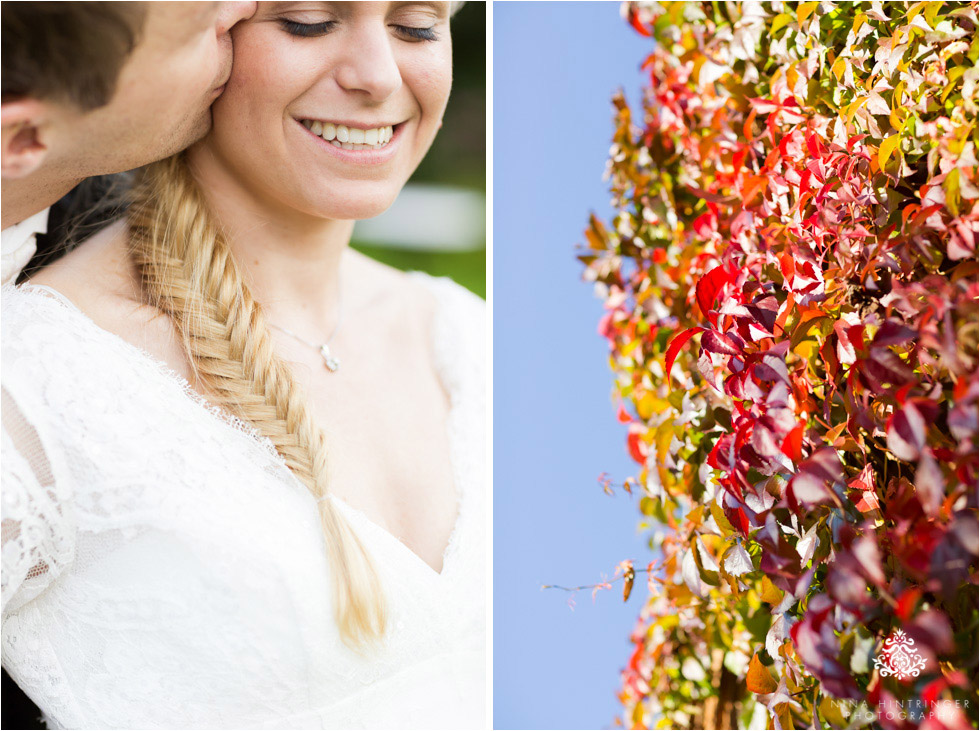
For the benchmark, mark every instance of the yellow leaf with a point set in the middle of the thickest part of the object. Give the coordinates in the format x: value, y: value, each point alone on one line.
x: 805, y: 11
x: 838, y: 68
x: 897, y: 117
x: 932, y: 8
x: 859, y: 20
x: 769, y: 593
x: 780, y: 21
x: 696, y: 516
x: 792, y: 76
x: 645, y: 405
x: 887, y: 149
x: 759, y: 679
x: 665, y: 435
x: 915, y: 10
x: 720, y: 520
x: 852, y: 108
x: 952, y: 186
x: 897, y: 95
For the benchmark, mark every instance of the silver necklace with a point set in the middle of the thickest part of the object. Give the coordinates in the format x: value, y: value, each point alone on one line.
x: 331, y: 361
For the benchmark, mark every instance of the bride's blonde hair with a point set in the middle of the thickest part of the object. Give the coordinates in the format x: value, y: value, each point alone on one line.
x: 189, y: 273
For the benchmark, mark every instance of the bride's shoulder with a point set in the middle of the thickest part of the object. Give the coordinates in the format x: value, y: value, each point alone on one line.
x: 415, y: 295
x: 95, y: 276
x: 97, y: 279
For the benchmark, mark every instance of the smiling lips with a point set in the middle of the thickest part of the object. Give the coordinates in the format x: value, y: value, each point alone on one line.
x: 350, y: 138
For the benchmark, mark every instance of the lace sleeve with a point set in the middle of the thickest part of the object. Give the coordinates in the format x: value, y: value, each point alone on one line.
x: 38, y: 527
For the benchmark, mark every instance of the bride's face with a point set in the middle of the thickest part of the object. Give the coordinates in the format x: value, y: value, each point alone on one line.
x: 332, y: 105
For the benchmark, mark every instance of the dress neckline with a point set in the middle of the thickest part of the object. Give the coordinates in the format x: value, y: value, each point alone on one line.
x: 228, y: 420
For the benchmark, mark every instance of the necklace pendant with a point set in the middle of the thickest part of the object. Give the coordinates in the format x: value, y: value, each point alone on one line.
x: 331, y: 361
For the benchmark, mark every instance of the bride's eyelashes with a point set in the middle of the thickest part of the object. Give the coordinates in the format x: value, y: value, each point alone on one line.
x: 418, y: 34
x: 309, y: 30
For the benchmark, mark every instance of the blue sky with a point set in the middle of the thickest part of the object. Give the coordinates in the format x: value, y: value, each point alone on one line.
x: 556, y: 66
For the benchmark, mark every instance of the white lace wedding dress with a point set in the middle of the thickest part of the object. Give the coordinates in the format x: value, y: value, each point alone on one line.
x: 162, y: 568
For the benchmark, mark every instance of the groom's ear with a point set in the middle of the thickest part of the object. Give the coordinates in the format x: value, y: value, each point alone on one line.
x: 24, y: 123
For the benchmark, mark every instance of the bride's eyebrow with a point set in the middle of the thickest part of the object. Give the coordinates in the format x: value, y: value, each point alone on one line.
x: 441, y: 8
x: 276, y: 7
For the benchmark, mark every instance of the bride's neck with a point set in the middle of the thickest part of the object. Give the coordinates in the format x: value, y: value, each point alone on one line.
x: 292, y: 261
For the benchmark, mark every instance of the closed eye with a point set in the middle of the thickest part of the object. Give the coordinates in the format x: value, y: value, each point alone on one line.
x: 307, y: 30
x: 417, y: 34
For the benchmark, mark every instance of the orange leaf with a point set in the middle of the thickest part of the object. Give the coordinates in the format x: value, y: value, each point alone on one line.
x: 628, y: 576
x: 759, y: 679
x: 753, y: 184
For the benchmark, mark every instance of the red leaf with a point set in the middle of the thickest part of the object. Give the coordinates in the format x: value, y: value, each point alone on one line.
x: 813, y: 145
x: 708, y: 287
x: 738, y: 519
x: 705, y: 224
x: 868, y: 502
x: 903, y: 393
x: 793, y: 443
x: 717, y: 342
x: 907, y: 602
x: 737, y: 159
x: 720, y: 455
x: 606, y: 328
x: 637, y: 25
x: 906, y: 433
x: 853, y: 141
x: 864, y: 479
x: 622, y: 416
x: 637, y: 447
x: 675, y: 345
x: 930, y: 484
x: 816, y: 476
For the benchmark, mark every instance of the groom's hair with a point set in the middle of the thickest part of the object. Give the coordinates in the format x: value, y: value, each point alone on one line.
x: 67, y: 51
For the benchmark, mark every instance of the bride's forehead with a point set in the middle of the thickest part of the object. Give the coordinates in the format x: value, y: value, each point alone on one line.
x: 352, y: 7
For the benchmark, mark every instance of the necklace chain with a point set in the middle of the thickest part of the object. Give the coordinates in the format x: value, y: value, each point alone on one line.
x: 331, y: 361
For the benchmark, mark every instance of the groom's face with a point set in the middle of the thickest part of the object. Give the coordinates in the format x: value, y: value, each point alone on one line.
x: 162, y: 102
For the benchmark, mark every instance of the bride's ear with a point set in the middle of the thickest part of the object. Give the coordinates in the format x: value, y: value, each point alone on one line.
x: 24, y: 122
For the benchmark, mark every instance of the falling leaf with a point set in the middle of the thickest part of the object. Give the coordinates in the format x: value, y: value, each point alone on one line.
x: 628, y: 576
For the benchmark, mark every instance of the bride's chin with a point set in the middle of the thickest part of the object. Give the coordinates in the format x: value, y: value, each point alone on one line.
x: 351, y: 209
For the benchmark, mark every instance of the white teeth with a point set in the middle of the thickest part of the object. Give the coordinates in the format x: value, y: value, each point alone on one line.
x: 350, y: 138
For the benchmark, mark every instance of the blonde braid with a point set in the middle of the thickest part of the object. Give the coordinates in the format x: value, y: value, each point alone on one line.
x: 189, y: 273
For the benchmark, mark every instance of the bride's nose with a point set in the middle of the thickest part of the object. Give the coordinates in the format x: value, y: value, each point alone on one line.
x: 368, y: 63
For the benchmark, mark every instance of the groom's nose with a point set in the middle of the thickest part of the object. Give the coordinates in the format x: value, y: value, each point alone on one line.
x: 230, y: 13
